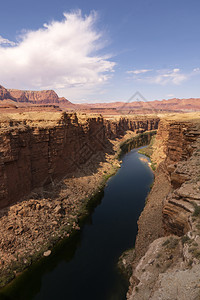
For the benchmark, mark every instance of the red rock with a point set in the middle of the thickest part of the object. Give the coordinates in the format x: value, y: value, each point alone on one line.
x: 116, y: 108
x: 38, y: 148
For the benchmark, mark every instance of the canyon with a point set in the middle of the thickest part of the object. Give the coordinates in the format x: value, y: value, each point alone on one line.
x: 37, y: 149
x: 51, y: 165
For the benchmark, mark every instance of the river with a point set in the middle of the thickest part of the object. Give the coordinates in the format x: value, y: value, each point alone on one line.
x: 87, y: 268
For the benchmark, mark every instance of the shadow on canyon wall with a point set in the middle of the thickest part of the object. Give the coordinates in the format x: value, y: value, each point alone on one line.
x: 34, y: 156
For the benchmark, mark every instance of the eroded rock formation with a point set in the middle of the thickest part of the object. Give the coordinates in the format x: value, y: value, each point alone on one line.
x: 167, y: 251
x: 37, y: 149
x: 35, y: 97
x: 181, y: 145
x: 32, y: 97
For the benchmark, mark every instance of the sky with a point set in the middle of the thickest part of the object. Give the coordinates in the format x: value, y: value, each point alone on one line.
x: 102, y: 51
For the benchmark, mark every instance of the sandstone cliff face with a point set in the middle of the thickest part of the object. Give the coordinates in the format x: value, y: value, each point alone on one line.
x: 32, y: 97
x: 36, y: 149
x: 169, y: 266
x: 179, y: 144
x: 172, y: 142
x: 4, y: 94
x: 35, y: 97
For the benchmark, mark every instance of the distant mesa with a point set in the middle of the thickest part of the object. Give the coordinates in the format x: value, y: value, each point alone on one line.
x: 4, y: 94
x: 48, y: 100
x: 31, y: 100
x: 36, y: 97
x: 33, y: 97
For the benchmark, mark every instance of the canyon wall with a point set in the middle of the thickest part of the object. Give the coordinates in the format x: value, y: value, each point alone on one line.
x: 36, y: 148
x: 35, y: 97
x: 180, y: 145
x: 167, y: 256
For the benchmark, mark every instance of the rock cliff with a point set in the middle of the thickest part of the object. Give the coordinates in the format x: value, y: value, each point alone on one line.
x: 51, y: 165
x: 180, y: 148
x: 4, y: 94
x: 32, y: 97
x: 35, y: 97
x: 36, y: 149
x: 167, y: 251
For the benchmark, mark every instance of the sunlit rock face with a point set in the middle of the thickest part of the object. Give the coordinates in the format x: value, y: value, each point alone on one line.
x: 37, y: 148
x: 169, y: 264
x: 180, y: 143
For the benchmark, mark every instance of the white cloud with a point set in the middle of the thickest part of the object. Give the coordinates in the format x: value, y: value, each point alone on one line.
x: 170, y: 95
x: 6, y: 42
x: 196, y: 70
x: 170, y: 76
x: 62, y: 56
x: 136, y: 72
x: 176, y: 70
x: 166, y: 76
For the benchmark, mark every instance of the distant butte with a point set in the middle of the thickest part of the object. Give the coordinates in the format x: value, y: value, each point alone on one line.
x: 12, y: 99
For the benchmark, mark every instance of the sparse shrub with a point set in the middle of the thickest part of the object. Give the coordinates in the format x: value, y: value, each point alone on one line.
x: 185, y: 239
x: 171, y: 243
x: 157, y: 265
x: 151, y: 185
x: 197, y: 254
x: 166, y: 242
x: 190, y: 263
x: 153, y: 166
x: 196, y: 212
x: 192, y: 250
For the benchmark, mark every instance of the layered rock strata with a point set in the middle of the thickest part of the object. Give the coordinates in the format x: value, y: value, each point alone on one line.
x: 167, y: 250
x: 20, y: 97
x: 34, y: 150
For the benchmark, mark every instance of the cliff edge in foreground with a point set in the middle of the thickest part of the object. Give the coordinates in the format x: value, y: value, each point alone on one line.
x: 167, y: 251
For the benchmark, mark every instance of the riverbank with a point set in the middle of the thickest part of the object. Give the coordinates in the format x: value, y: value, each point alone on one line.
x: 30, y: 229
x: 49, y: 216
x: 150, y: 221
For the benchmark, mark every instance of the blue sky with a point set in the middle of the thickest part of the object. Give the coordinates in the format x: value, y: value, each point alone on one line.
x: 102, y: 50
